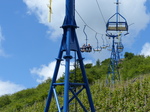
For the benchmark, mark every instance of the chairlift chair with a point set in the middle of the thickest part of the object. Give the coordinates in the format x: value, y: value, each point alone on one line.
x: 116, y: 26
x: 103, y: 46
x: 120, y: 47
x: 107, y: 45
x: 119, y: 24
x: 97, y: 49
x: 109, y: 49
x: 86, y: 47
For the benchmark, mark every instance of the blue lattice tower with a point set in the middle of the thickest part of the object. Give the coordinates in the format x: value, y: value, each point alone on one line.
x: 113, y: 27
x: 117, y: 53
x: 119, y: 49
x: 113, y: 73
x: 68, y: 45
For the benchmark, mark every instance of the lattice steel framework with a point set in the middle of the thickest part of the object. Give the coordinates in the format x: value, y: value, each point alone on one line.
x: 69, y: 44
x: 119, y: 24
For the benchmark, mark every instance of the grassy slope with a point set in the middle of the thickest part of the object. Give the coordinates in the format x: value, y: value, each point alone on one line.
x: 130, y: 96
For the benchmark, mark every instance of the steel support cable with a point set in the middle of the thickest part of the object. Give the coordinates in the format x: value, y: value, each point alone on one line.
x: 97, y: 40
x: 119, y: 11
x: 100, y: 11
x: 85, y: 34
x: 102, y: 39
x: 86, y: 23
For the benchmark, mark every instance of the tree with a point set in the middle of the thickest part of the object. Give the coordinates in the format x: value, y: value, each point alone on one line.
x: 4, y: 100
x: 98, y: 63
x: 128, y: 55
x: 89, y: 65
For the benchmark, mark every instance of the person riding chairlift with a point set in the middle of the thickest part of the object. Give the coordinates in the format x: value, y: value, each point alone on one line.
x: 89, y: 48
x: 85, y: 48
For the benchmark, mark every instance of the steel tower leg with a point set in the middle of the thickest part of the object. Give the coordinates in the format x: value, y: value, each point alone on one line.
x: 116, y: 26
x: 69, y: 44
x: 113, y: 73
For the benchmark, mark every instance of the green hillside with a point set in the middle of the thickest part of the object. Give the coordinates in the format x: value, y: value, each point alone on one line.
x: 131, y: 94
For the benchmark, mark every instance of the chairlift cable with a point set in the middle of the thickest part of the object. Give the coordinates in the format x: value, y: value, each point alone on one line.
x: 102, y: 39
x: 119, y: 12
x: 100, y: 11
x: 86, y: 23
x: 97, y: 49
x: 85, y: 34
x: 130, y: 24
x: 96, y: 39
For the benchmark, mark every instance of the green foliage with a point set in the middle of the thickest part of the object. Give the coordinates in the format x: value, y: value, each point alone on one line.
x: 105, y: 62
x: 4, y: 100
x: 135, y: 66
x: 128, y: 55
x: 129, y: 95
x: 132, y: 95
x: 98, y: 63
x: 88, y: 65
x: 25, y: 98
x: 125, y: 96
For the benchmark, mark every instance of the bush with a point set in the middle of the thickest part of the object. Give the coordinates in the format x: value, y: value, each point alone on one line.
x: 4, y: 100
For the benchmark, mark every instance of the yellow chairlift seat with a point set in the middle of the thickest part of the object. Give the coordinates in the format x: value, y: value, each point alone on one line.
x: 120, y: 47
x: 97, y: 49
x: 103, y: 47
x: 114, y: 26
x: 86, y: 48
x: 109, y: 49
x: 120, y: 25
x: 107, y: 45
x: 82, y: 49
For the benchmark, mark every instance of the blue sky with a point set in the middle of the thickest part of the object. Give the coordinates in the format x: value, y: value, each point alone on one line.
x: 29, y: 44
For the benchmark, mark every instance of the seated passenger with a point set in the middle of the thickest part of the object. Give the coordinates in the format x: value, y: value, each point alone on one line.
x: 83, y: 48
x: 89, y: 48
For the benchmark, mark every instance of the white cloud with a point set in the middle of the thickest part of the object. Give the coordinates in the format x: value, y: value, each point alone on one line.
x: 133, y: 10
x: 40, y: 9
x: 7, y: 87
x: 2, y: 53
x: 1, y: 39
x: 145, y: 49
x: 1, y: 36
x: 92, y: 15
x: 46, y: 71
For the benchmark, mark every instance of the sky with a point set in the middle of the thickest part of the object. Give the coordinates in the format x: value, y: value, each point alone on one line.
x: 29, y: 43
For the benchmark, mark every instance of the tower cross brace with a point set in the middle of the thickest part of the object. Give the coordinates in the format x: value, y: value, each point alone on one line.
x: 69, y: 43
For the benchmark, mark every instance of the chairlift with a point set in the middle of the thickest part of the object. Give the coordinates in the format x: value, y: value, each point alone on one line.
x: 126, y: 33
x: 120, y: 47
x: 109, y: 48
x: 103, y: 46
x: 117, y: 25
x: 86, y: 47
x: 107, y: 45
x: 97, y: 49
